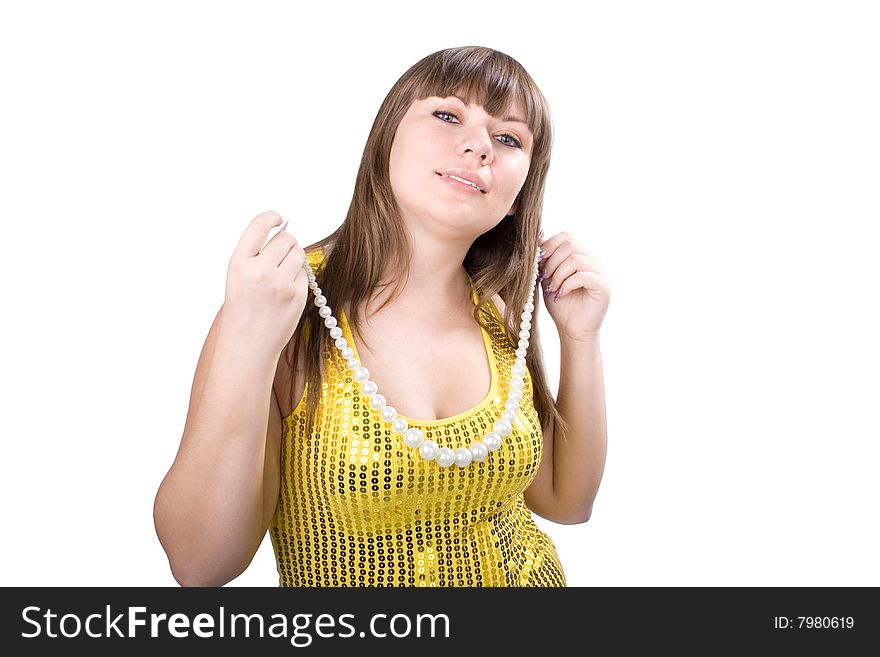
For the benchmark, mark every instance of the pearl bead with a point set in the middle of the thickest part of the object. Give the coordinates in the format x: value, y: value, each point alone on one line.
x: 445, y: 457
x: 389, y: 413
x: 378, y: 401
x: 361, y: 374
x: 463, y: 457
x: 324, y: 311
x: 515, y: 394
x: 335, y: 332
x: 478, y: 450
x: 502, y: 428
x: 369, y: 388
x: 352, y: 363
x: 347, y: 352
x: 413, y: 438
x: 320, y: 301
x: 330, y: 322
x: 518, y: 370
x: 516, y: 383
x: 492, y: 441
x: 399, y: 425
x: 511, y: 405
x: 341, y: 343
x: 510, y: 416
x: 429, y: 450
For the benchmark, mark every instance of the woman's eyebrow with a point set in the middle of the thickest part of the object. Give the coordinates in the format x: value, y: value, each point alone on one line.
x: 514, y: 119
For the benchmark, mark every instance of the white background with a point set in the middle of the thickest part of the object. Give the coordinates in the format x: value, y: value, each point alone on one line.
x: 721, y: 159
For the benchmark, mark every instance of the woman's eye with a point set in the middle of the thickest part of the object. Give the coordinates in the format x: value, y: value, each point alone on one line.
x: 442, y: 112
x: 516, y: 142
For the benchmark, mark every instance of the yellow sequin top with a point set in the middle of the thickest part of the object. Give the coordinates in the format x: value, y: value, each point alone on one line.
x: 357, y: 507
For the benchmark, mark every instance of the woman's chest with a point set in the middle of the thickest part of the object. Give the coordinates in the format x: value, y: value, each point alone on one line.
x: 427, y: 370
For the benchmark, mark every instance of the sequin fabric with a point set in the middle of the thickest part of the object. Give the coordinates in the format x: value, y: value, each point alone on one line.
x: 357, y: 507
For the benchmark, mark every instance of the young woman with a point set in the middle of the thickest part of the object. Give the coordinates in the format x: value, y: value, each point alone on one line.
x: 377, y: 401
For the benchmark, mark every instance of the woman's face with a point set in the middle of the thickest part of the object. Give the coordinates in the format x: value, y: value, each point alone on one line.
x: 437, y: 135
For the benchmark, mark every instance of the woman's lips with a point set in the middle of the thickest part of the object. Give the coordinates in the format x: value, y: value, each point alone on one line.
x: 452, y: 182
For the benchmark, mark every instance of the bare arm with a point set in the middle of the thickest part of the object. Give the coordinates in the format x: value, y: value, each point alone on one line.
x: 579, y: 459
x: 217, y: 499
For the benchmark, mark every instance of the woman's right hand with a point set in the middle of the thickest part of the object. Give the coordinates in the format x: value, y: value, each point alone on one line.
x: 266, y: 289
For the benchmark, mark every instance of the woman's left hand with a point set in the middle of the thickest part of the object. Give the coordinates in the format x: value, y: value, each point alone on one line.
x: 578, y: 283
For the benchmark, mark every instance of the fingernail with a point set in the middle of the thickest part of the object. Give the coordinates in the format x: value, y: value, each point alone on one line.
x: 284, y: 225
x: 555, y: 297
x: 541, y: 278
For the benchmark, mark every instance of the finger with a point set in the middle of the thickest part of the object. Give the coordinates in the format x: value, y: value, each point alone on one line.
x: 556, y: 275
x: 589, y: 280
x: 554, y: 256
x: 557, y: 243
x: 292, y: 261
x: 278, y: 247
x: 279, y: 229
x: 254, y: 235
x: 550, y: 246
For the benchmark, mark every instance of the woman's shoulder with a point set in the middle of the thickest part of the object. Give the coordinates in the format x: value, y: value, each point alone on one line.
x: 290, y: 388
x: 317, y: 255
x: 512, y: 329
x: 499, y: 305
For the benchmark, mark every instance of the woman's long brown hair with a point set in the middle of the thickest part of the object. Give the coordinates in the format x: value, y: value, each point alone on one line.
x: 373, y: 242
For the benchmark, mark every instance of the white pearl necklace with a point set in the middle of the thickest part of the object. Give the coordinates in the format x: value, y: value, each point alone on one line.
x: 412, y: 436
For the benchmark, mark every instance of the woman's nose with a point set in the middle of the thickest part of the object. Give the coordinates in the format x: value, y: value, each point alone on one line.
x: 480, y: 145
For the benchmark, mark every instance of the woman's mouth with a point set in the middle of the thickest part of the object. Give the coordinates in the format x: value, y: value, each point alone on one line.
x: 463, y: 185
